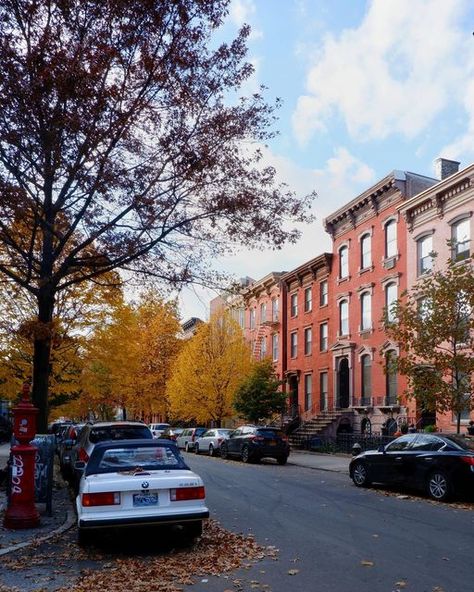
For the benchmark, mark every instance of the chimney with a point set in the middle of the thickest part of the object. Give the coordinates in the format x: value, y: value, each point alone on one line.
x: 445, y: 168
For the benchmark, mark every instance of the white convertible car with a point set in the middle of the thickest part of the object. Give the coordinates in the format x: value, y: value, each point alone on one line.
x: 138, y: 483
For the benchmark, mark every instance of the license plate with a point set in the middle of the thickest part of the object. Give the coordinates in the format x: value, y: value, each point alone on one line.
x: 145, y: 499
x: 272, y: 443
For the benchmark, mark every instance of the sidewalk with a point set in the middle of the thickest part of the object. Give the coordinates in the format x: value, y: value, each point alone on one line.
x: 337, y: 463
x: 63, y: 515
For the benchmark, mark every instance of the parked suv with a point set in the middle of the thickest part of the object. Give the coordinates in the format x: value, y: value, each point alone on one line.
x: 158, y: 428
x: 188, y: 437
x: 102, y: 431
x: 252, y: 443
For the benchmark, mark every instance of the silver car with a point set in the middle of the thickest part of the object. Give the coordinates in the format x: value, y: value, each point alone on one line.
x: 210, y: 442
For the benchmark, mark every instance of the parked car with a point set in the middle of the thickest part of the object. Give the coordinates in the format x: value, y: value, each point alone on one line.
x: 210, y: 442
x: 158, y: 428
x: 92, y: 433
x: 136, y: 483
x: 65, y: 448
x: 252, y: 443
x: 188, y: 437
x: 171, y: 434
x: 440, y: 464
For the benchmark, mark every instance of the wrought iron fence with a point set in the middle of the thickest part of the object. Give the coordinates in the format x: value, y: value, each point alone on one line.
x: 344, y: 442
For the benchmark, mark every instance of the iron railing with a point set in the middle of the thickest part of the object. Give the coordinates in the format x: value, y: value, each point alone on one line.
x: 344, y: 442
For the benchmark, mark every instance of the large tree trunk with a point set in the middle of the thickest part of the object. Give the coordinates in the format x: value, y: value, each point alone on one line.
x: 41, y: 357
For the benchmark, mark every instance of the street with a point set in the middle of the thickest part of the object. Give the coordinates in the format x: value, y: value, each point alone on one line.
x: 330, y: 537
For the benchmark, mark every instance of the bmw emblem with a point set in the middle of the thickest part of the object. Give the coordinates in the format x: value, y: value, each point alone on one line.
x: 145, y: 485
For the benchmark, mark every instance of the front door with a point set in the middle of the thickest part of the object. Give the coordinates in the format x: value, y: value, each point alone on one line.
x: 343, y: 383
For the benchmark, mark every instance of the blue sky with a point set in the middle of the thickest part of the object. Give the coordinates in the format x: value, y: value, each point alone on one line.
x: 367, y: 87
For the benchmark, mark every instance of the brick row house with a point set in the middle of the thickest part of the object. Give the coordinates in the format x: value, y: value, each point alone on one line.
x: 441, y: 220
x: 322, y: 323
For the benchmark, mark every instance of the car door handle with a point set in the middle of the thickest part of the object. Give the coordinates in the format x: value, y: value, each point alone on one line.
x: 428, y: 458
x: 398, y: 458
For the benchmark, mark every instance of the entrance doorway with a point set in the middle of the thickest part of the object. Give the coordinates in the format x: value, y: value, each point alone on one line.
x: 343, y: 383
x: 293, y: 398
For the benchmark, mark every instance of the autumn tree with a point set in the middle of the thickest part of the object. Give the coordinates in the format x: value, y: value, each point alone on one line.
x: 259, y: 396
x: 125, y: 144
x: 434, y: 325
x: 128, y: 360
x: 208, y: 371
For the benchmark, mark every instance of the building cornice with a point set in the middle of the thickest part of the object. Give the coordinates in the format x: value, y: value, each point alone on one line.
x: 312, y: 267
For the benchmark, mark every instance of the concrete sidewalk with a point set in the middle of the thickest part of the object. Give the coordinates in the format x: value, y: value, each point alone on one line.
x: 338, y: 463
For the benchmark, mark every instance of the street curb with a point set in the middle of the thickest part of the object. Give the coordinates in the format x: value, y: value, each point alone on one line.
x: 70, y: 521
x: 341, y: 471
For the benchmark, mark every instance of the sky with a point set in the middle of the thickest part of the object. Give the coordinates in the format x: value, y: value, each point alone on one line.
x: 368, y: 86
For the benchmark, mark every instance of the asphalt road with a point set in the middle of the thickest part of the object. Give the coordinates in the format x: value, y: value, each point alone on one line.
x: 338, y: 537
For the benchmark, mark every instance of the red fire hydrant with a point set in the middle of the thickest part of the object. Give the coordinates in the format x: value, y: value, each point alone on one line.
x: 21, y: 511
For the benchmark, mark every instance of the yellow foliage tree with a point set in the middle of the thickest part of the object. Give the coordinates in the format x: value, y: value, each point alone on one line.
x: 208, y: 371
x: 129, y: 360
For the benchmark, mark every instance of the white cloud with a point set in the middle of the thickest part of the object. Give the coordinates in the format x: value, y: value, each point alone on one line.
x: 394, y: 74
x: 341, y: 179
x: 241, y: 11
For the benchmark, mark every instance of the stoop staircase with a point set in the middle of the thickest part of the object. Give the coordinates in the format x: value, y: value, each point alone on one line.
x: 317, y: 426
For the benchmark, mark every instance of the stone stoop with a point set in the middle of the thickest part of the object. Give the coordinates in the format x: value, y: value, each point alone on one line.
x: 316, y: 426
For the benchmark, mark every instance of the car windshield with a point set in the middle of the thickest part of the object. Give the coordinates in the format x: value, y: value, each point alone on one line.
x: 124, y: 459
x: 123, y: 432
x: 463, y: 442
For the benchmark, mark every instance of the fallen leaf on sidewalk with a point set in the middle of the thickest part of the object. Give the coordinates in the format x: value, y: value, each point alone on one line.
x: 366, y: 563
x: 293, y: 572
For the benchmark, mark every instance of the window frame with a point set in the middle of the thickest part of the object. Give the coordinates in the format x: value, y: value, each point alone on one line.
x: 343, y: 262
x: 308, y: 344
x: 294, y: 305
x: 365, y: 297
x: 308, y: 303
x: 308, y: 393
x: 466, y: 253
x: 365, y: 238
x: 323, y: 293
x: 392, y: 244
x: 344, y: 302
x: 323, y: 339
x: 294, y: 344
x: 420, y: 269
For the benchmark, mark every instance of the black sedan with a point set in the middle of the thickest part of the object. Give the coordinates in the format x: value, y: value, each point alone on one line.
x: 441, y: 465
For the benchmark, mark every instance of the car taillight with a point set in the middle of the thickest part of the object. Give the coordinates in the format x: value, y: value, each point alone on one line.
x: 82, y: 455
x: 187, y: 493
x: 106, y: 498
x: 468, y: 459
x: 284, y: 438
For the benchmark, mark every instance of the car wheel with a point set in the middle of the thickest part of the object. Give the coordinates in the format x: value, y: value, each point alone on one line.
x: 194, y: 529
x: 360, y: 475
x: 281, y: 460
x: 224, y: 453
x: 211, y: 450
x: 439, y: 486
x: 84, y: 537
x: 245, y: 454
x: 196, y: 448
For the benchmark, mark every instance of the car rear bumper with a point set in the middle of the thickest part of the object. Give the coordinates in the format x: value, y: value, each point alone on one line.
x: 143, y: 520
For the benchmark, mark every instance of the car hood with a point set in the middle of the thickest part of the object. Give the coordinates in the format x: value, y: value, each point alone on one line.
x: 126, y: 481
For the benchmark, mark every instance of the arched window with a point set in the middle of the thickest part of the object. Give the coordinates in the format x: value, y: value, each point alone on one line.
x: 391, y: 239
x: 391, y: 295
x: 391, y: 377
x: 344, y: 317
x: 425, y: 257
x: 366, y: 378
x: 365, y: 251
x: 461, y: 239
x: 366, y: 311
x: 343, y: 262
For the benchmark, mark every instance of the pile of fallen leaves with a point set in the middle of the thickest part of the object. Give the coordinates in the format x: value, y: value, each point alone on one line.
x: 216, y: 552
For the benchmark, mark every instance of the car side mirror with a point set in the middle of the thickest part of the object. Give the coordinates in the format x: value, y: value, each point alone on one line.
x: 381, y: 448
x: 79, y: 465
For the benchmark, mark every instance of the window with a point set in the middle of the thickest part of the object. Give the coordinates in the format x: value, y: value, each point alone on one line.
x: 308, y: 391
x: 263, y: 348
x: 252, y: 318
x: 323, y: 337
x: 365, y: 251
x: 293, y: 345
x: 308, y: 338
x: 391, y: 377
x: 391, y: 239
x: 425, y: 258
x: 275, y: 309
x: 391, y: 295
x: 323, y: 391
x: 366, y: 378
x: 399, y: 444
x: 275, y: 347
x: 343, y: 262
x: 461, y: 238
x: 263, y: 312
x: 294, y: 304
x: 344, y: 318
x: 366, y: 311
x: 308, y: 302
x: 323, y: 293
